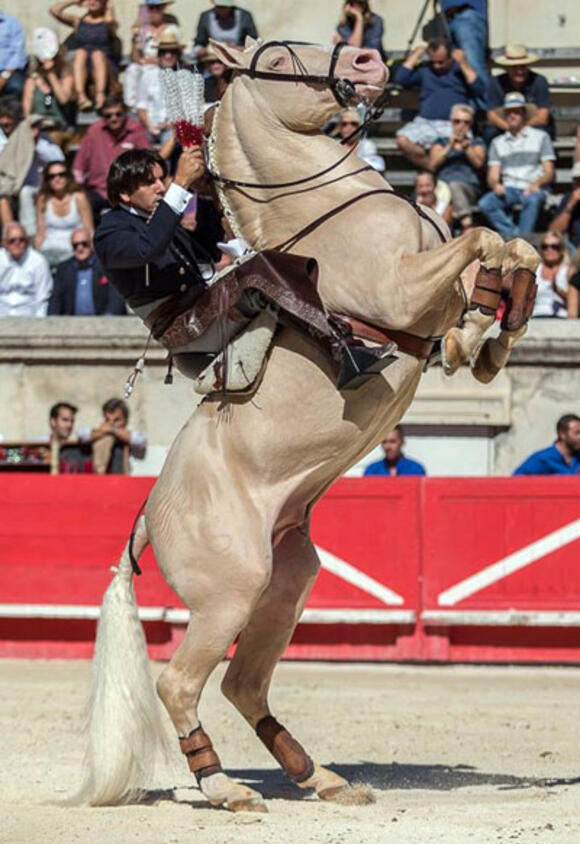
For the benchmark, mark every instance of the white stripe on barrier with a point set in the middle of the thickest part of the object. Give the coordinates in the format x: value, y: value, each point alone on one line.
x: 70, y: 612
x: 358, y: 578
x: 510, y: 564
x: 499, y: 618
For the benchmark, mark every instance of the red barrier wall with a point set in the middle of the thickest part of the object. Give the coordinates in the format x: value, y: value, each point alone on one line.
x: 412, y: 569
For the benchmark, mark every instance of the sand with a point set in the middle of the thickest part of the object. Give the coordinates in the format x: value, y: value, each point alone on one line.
x: 453, y: 754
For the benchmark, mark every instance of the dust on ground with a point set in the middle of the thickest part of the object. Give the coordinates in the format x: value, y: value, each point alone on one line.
x: 454, y: 754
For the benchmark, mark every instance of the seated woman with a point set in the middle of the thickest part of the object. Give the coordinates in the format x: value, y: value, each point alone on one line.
x: 61, y: 207
x: 49, y: 86
x: 94, y: 36
x: 360, y: 27
x: 153, y: 22
x: 552, y: 277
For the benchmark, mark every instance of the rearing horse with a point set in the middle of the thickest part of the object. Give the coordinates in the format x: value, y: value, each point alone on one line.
x: 229, y: 516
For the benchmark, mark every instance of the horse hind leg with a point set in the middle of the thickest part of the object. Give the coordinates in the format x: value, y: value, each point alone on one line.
x: 521, y: 262
x: 261, y: 645
x: 215, y: 623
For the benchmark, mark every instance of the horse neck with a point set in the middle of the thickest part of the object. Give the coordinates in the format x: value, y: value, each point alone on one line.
x: 252, y: 146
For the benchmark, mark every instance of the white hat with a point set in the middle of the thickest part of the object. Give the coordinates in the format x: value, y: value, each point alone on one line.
x: 223, y: 2
x: 516, y: 54
x: 45, y: 44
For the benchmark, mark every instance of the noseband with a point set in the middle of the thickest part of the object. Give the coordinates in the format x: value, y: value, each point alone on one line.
x: 343, y: 90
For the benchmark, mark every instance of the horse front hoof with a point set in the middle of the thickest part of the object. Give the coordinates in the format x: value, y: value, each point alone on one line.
x: 251, y: 804
x: 349, y: 795
x: 452, y: 353
x: 484, y: 368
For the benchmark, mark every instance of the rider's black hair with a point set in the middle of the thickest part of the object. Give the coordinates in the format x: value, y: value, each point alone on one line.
x: 131, y: 170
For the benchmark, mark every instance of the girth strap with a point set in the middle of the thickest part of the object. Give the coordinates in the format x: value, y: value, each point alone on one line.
x: 419, y: 347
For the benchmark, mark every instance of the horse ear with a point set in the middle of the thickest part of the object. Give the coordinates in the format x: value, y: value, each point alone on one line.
x: 250, y: 43
x: 231, y: 56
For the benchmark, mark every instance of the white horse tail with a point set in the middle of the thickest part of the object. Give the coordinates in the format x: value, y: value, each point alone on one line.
x: 124, y: 720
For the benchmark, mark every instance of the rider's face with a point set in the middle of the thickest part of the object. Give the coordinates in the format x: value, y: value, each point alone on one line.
x: 147, y: 197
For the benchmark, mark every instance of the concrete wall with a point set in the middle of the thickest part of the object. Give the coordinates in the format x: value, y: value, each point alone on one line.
x: 455, y: 426
x: 538, y: 24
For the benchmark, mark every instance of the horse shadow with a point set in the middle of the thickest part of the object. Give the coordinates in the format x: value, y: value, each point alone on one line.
x: 273, y: 784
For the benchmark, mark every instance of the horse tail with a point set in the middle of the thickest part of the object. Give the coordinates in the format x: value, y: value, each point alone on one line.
x: 125, y: 730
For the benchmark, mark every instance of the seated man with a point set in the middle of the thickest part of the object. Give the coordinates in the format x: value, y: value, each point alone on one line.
x: 520, y: 169
x: 80, y: 286
x: 113, y: 443
x: 25, y: 279
x: 521, y: 78
x: 74, y: 456
x: 567, y: 219
x: 560, y: 458
x: 395, y: 463
x: 445, y: 80
x: 458, y: 160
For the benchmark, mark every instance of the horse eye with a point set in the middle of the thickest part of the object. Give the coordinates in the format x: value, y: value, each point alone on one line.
x: 278, y: 61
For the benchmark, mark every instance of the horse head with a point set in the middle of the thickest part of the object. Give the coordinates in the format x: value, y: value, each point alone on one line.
x: 303, y: 85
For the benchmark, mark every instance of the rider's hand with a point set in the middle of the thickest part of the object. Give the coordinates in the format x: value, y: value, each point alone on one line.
x: 190, y: 167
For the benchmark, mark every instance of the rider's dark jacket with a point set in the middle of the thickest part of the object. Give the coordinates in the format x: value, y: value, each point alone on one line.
x: 149, y: 259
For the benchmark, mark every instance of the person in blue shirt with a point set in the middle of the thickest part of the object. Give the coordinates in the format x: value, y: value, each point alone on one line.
x: 13, y: 57
x: 395, y: 463
x: 560, y: 458
x: 445, y: 80
x: 467, y: 22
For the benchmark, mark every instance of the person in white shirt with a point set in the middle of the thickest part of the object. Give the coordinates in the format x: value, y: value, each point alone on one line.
x: 151, y: 105
x: 25, y: 278
x: 348, y: 123
x: 520, y: 169
x: 552, y: 277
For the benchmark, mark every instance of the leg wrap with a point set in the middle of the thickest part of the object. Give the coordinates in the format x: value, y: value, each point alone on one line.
x: 201, y: 757
x: 521, y: 301
x: 487, y: 291
x: 290, y: 755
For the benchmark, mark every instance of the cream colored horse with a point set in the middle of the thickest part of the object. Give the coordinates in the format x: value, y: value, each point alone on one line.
x: 229, y: 515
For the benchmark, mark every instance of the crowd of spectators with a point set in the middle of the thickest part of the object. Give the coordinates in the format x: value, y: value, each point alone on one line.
x: 481, y: 142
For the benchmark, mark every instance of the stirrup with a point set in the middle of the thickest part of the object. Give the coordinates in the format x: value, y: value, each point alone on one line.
x: 359, y: 363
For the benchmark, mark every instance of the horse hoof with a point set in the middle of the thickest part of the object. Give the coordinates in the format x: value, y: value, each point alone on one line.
x: 252, y: 804
x: 452, y: 354
x: 484, y: 369
x: 348, y: 795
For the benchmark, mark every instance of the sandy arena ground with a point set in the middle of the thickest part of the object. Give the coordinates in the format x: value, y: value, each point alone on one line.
x: 459, y: 754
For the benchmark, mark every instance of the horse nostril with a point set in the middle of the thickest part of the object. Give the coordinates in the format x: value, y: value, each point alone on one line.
x: 362, y: 58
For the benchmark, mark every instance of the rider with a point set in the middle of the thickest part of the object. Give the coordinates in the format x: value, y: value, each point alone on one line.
x: 142, y: 247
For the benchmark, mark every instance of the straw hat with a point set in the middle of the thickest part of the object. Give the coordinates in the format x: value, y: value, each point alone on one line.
x: 223, y: 2
x: 516, y: 100
x: 516, y: 54
x: 157, y: 2
x: 169, y: 41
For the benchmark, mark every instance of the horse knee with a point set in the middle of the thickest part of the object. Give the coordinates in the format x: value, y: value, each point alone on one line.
x: 491, y: 247
x: 519, y: 254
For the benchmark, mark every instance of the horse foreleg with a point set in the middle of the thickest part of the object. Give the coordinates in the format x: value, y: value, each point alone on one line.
x: 521, y: 262
x: 261, y: 645
x: 221, y: 592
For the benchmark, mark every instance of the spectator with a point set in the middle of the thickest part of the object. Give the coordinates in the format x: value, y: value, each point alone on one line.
x: 520, y: 169
x: 21, y: 163
x: 349, y: 122
x: 62, y: 421
x: 13, y: 58
x: 560, y: 458
x: 467, y: 22
x: 567, y: 219
x: 360, y: 27
x: 10, y: 117
x: 444, y: 81
x: 25, y: 279
x: 61, y: 206
x: 458, y: 161
x: 151, y: 104
x: 49, y: 86
x: 80, y: 286
x: 518, y: 77
x: 394, y: 462
x: 94, y: 33
x: 106, y: 139
x: 113, y: 442
x: 225, y: 22
x: 217, y: 78
x: 153, y: 23
x: 428, y: 192
x: 74, y: 457
x: 552, y: 277
x: 574, y: 289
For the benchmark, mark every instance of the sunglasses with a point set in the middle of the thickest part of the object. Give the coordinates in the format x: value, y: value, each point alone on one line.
x: 460, y: 120
x: 349, y: 123
x: 551, y: 246
x: 110, y: 114
x: 162, y: 51
x: 17, y: 240
x: 81, y: 244
x: 62, y: 174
